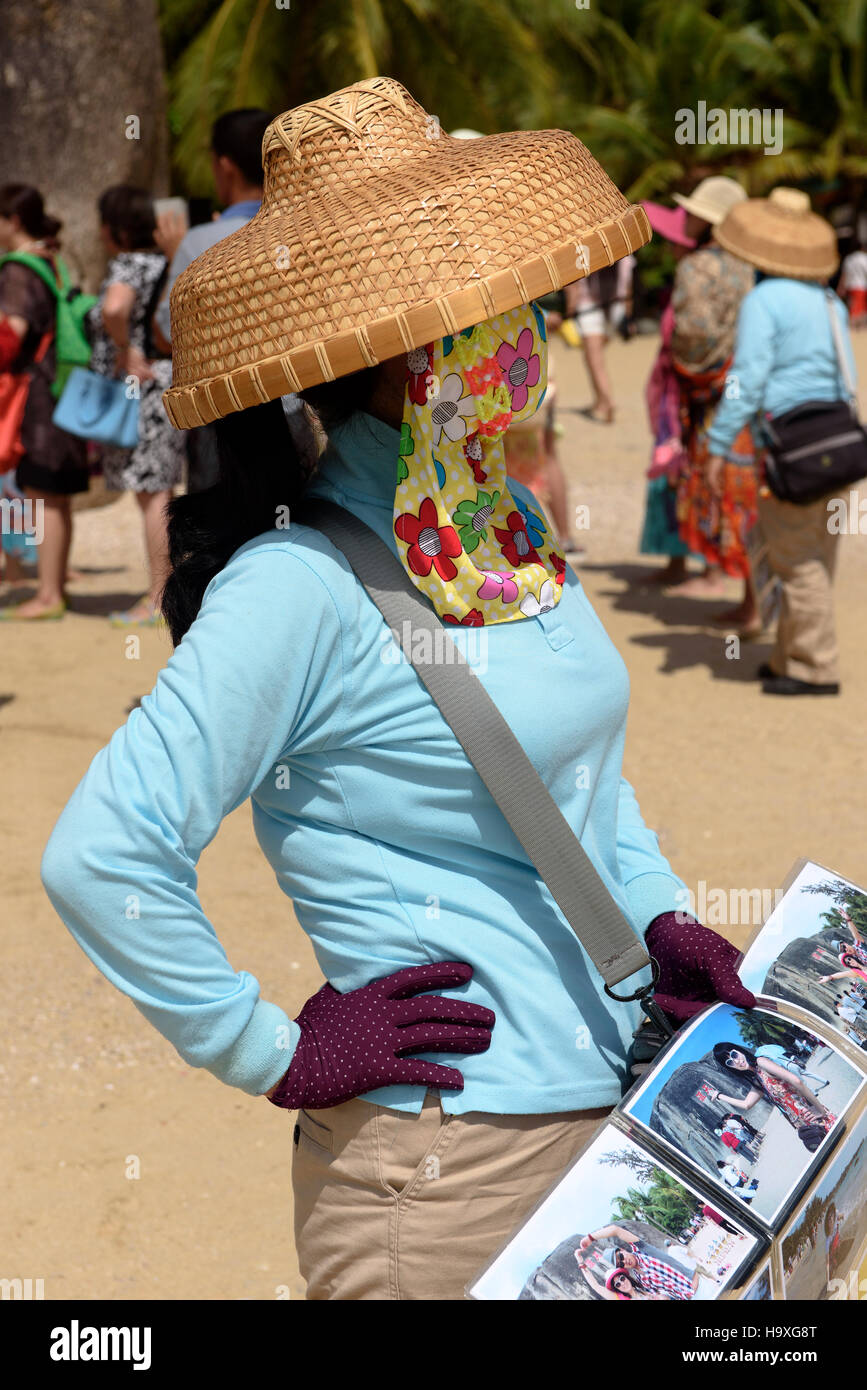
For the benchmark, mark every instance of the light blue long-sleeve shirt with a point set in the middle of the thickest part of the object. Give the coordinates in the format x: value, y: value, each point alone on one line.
x: 784, y: 356
x: 289, y: 689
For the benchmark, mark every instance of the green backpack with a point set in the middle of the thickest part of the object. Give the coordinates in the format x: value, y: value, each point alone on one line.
x: 72, y: 346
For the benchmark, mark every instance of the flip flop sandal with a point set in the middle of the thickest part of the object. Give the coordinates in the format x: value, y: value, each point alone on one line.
x: 124, y: 619
x: 12, y: 614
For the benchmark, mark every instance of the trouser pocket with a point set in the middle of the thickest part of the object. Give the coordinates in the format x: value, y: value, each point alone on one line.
x: 410, y: 1146
x: 308, y: 1130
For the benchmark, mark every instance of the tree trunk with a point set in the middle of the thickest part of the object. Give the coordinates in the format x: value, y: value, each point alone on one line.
x: 82, y: 107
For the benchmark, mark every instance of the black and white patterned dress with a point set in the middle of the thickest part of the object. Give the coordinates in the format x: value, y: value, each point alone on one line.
x: 156, y: 462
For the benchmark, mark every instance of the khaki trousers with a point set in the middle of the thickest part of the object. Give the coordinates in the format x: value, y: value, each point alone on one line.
x: 803, y: 553
x: 391, y: 1205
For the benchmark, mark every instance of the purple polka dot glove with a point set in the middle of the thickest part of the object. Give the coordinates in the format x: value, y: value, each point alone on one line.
x: 696, y: 967
x: 356, y: 1042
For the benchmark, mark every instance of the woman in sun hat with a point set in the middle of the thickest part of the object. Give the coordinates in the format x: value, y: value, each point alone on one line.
x: 708, y: 290
x: 786, y: 355
x: 389, y: 278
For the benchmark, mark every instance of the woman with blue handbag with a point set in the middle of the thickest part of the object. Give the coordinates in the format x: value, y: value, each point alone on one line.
x: 152, y: 467
x: 42, y: 465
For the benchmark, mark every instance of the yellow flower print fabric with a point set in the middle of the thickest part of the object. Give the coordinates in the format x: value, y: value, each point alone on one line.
x: 480, y: 555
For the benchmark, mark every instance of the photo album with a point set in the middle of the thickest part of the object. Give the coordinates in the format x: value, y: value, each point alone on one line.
x: 736, y: 1166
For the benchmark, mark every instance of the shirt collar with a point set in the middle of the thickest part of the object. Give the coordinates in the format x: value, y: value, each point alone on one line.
x: 361, y: 458
x: 247, y: 209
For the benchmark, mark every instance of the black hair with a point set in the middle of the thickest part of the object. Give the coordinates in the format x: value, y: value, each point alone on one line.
x: 703, y: 237
x: 721, y: 1051
x: 128, y: 212
x: 830, y: 1217
x: 237, y: 135
x: 260, y: 471
x: 25, y: 202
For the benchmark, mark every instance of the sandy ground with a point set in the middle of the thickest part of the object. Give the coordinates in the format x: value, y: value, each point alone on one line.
x: 737, y: 785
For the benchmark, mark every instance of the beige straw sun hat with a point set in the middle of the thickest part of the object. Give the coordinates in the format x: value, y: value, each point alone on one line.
x: 379, y: 232
x: 712, y: 199
x: 781, y: 236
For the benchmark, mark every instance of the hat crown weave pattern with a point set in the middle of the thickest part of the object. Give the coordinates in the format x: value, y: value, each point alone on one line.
x: 353, y: 110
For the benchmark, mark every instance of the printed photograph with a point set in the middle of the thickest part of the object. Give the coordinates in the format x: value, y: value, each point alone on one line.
x: 829, y: 1237
x: 812, y: 951
x: 760, y: 1288
x: 750, y: 1098
x: 622, y: 1227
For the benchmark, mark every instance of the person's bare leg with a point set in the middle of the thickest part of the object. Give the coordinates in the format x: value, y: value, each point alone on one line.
x: 13, y: 571
x: 558, y: 497
x: 594, y: 356
x: 51, y: 553
x: 153, y: 508
x: 745, y: 615
x: 675, y: 572
x: 711, y: 582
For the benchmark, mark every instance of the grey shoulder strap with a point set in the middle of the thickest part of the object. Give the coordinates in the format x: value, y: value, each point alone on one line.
x: 840, y: 349
x: 492, y: 748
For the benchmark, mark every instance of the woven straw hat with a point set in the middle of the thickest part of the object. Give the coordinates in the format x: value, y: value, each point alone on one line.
x: 379, y: 232
x: 712, y: 199
x: 780, y: 235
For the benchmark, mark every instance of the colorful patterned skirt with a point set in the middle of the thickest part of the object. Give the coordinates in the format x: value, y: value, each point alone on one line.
x: 660, y: 534
x: 714, y: 527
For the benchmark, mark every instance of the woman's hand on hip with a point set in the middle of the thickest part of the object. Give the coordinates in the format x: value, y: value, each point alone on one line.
x: 356, y: 1042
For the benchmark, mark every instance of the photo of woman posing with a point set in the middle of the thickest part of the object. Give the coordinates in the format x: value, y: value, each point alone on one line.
x: 790, y: 1095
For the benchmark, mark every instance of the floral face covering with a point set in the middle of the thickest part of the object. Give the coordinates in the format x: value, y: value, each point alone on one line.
x: 478, y: 553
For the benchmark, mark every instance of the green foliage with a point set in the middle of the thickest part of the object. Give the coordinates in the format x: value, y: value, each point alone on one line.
x: 762, y: 1031
x: 616, y: 76
x: 853, y: 901
x: 661, y: 1200
x: 663, y: 1203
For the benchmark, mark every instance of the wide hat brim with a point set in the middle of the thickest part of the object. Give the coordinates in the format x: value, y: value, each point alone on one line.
x: 378, y: 233
x: 704, y: 211
x: 670, y: 223
x: 799, y: 245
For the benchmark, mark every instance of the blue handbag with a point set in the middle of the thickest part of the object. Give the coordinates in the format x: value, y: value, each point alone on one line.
x: 97, y: 407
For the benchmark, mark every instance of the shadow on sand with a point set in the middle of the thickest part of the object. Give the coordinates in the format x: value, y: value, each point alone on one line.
x: 704, y: 645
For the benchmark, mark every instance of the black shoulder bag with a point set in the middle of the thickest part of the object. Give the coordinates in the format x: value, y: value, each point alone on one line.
x: 820, y: 447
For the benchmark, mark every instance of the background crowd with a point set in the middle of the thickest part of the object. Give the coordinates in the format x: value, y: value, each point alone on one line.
x: 745, y: 337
